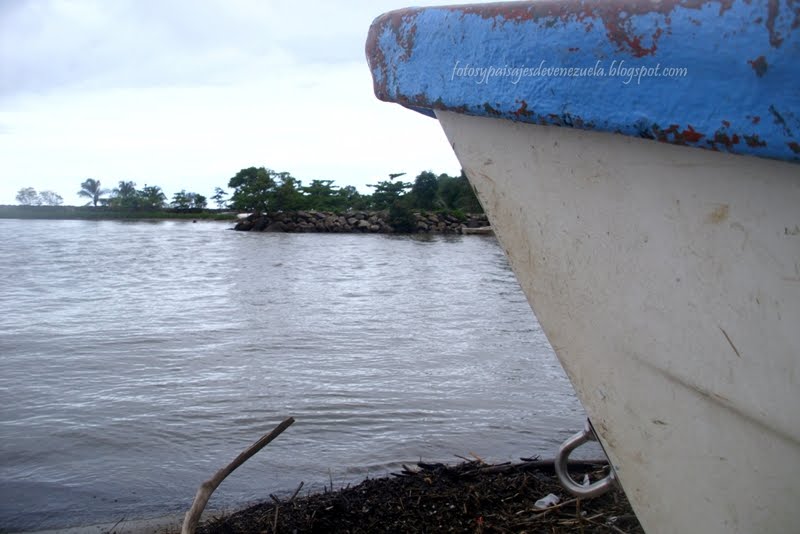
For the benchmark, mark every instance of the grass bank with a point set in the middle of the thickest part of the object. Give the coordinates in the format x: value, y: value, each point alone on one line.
x: 107, y: 213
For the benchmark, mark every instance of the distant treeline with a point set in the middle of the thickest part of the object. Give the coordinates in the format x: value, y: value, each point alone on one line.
x: 262, y: 190
x: 107, y: 212
x: 257, y: 190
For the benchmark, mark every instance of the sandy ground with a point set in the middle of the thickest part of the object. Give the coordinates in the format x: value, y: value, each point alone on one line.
x: 157, y: 525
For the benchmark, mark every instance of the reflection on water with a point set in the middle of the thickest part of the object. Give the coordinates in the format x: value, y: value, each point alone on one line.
x: 138, y: 358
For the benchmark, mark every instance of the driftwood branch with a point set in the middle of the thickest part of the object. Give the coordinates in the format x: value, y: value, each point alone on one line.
x: 208, y: 487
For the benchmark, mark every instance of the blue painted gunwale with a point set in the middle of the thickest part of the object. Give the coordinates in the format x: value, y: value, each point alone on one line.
x: 740, y: 92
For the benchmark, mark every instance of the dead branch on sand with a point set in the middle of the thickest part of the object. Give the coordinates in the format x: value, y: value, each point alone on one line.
x: 207, y: 488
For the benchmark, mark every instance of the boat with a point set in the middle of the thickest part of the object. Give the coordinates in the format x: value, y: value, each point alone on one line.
x: 638, y: 162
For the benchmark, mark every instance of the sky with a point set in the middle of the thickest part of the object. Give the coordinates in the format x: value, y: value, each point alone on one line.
x: 183, y: 94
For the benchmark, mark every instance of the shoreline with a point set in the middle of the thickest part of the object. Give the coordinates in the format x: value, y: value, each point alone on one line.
x: 471, y: 496
x: 468, y: 497
x: 153, y: 525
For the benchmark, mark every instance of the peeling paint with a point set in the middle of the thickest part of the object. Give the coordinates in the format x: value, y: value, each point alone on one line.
x: 412, y: 53
x: 759, y: 65
x: 753, y: 141
x: 722, y: 138
x: 490, y: 110
x: 673, y: 134
x: 523, y: 110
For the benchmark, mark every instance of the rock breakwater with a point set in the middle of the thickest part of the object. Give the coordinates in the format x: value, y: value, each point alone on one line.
x: 362, y: 222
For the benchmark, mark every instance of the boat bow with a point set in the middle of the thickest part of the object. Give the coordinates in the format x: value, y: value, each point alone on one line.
x: 667, y: 278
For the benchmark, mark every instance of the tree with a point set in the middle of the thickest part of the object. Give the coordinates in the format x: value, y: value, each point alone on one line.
x: 425, y: 190
x: 184, y: 201
x: 348, y: 197
x: 321, y: 195
x: 219, y: 197
x: 125, y: 195
x: 91, y: 189
x: 49, y: 198
x: 401, y: 216
x: 287, y: 193
x: 28, y: 197
x: 152, y: 197
x: 181, y: 200
x: 198, y: 201
x: 252, y: 189
x: 388, y: 192
x: 456, y: 193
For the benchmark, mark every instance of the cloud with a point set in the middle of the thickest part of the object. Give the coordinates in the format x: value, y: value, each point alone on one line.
x: 48, y: 45
x: 183, y: 94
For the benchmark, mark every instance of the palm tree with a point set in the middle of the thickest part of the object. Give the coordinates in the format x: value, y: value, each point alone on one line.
x: 91, y: 189
x: 125, y: 195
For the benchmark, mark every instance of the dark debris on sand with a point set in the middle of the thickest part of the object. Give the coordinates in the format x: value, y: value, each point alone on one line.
x: 469, y: 497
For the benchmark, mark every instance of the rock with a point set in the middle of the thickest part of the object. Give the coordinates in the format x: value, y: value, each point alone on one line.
x: 358, y: 221
x: 277, y: 226
x: 244, y: 226
x: 260, y: 223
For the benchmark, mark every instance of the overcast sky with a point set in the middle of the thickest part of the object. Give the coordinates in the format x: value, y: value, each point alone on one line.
x: 184, y: 93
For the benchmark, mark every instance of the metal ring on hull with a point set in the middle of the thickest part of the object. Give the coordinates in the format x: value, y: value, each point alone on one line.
x: 589, y: 491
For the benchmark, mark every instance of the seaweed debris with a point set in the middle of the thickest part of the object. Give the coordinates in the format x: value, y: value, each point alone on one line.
x: 468, y: 497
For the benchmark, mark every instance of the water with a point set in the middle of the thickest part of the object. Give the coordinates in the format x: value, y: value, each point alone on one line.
x: 136, y: 359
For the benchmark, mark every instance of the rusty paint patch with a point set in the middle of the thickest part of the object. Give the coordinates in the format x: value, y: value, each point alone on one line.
x: 523, y: 110
x: 615, y: 16
x: 490, y: 110
x: 753, y: 141
x: 775, y: 38
x: 722, y: 138
x: 759, y: 65
x: 719, y: 214
x: 394, y: 21
x: 794, y: 146
x: 674, y: 135
x: 690, y: 135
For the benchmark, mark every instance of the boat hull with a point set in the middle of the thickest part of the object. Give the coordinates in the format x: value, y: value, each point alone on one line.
x: 667, y: 280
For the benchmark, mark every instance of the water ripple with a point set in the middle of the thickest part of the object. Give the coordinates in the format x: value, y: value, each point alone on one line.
x: 137, y: 358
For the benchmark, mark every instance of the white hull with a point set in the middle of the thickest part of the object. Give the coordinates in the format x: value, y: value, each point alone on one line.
x: 667, y: 280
